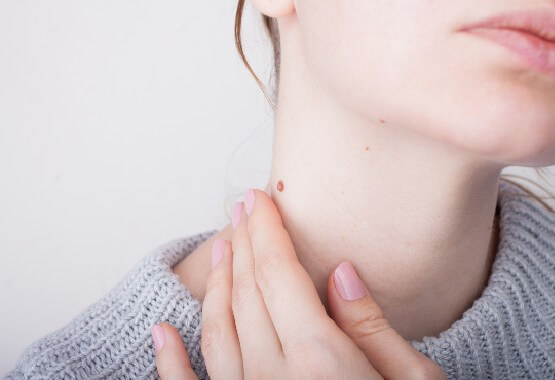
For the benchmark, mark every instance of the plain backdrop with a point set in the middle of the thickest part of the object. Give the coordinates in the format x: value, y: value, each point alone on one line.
x: 123, y: 125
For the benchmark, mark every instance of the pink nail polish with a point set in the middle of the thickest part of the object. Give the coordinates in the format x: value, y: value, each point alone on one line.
x: 347, y: 282
x: 157, y: 336
x: 236, y: 214
x: 249, y: 201
x: 218, y: 248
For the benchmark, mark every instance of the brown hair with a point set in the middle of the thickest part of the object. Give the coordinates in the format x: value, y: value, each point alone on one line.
x: 271, y: 28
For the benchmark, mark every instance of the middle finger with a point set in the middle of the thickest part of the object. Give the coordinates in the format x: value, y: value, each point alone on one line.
x: 260, y: 344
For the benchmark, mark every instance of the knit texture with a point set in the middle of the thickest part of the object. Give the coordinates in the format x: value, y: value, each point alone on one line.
x: 508, y: 332
x: 111, y: 338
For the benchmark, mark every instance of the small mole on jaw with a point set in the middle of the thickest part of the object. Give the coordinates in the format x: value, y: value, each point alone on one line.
x: 382, y: 121
x: 366, y: 147
x: 280, y: 185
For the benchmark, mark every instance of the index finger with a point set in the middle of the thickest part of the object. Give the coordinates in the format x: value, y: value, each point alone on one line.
x: 288, y: 291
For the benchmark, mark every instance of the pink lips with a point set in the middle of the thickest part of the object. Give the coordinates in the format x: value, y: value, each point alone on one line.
x: 530, y: 34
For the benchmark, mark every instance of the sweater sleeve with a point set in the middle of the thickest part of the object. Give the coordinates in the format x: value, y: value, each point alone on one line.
x: 111, y: 338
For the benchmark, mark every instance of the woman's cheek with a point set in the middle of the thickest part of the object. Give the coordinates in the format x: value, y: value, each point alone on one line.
x: 382, y: 61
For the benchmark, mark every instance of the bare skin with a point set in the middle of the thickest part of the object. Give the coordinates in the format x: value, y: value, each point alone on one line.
x: 253, y: 328
x: 194, y: 270
x: 392, y: 128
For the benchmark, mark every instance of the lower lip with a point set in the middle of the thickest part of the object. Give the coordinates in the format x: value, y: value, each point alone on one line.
x: 536, y: 51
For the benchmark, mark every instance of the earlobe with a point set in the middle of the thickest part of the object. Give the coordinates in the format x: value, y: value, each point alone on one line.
x: 274, y: 8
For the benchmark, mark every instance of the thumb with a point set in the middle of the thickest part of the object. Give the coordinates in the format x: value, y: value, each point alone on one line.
x: 172, y: 360
x: 354, y: 310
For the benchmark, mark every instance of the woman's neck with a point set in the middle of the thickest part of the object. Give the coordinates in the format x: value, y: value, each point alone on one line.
x: 416, y: 221
x: 414, y: 216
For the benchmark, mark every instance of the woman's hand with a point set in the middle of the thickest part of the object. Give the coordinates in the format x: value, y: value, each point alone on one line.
x: 262, y: 317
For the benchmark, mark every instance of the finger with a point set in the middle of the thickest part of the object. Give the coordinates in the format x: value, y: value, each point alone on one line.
x: 219, y: 341
x: 289, y: 293
x: 361, y: 318
x: 257, y: 335
x: 172, y: 360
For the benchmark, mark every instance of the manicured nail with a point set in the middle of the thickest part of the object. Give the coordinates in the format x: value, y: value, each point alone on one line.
x: 157, y: 336
x: 236, y: 214
x: 249, y: 201
x: 217, y: 251
x: 347, y: 282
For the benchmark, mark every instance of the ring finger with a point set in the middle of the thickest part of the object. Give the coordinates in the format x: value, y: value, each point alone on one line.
x: 219, y: 341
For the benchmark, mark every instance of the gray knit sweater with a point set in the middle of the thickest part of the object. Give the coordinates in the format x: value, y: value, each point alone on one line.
x: 508, y: 333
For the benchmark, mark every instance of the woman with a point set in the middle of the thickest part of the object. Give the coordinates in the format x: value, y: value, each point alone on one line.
x: 393, y: 123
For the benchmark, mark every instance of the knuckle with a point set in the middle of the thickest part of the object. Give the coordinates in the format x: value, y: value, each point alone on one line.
x: 211, y: 335
x: 215, y: 281
x: 324, y: 360
x: 295, y: 348
x: 310, y: 370
x: 267, y: 267
x: 242, y: 293
x: 368, y: 322
x: 241, y: 238
x: 263, y: 235
x: 314, y: 340
x: 317, y: 365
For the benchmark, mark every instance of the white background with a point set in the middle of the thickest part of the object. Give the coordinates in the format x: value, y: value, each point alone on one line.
x: 123, y: 124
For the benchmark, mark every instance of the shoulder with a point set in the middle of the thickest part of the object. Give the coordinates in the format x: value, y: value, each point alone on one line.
x: 194, y: 268
x: 516, y: 307
x: 111, y: 338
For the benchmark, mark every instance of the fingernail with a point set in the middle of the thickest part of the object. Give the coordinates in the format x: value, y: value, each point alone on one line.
x: 249, y: 201
x: 347, y: 282
x: 236, y: 214
x: 217, y: 251
x: 157, y: 336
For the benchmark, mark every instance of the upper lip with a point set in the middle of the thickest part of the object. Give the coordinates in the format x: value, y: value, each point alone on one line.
x: 540, y: 22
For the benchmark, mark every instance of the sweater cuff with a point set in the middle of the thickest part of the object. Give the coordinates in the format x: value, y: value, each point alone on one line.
x: 111, y: 338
